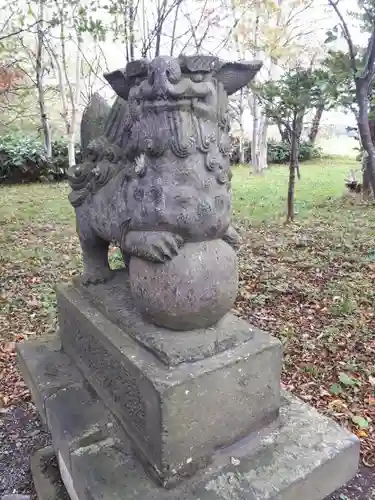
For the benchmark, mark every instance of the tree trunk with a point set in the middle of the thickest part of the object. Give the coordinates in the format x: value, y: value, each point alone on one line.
x: 284, y: 134
x: 254, y: 141
x: 39, y: 81
x: 262, y: 144
x: 316, y: 124
x: 75, y: 105
x: 366, y: 179
x: 293, y: 165
x: 365, y: 131
x: 242, y: 146
x: 295, y: 135
x: 366, y: 185
x: 61, y: 73
x: 242, y: 131
x: 131, y: 30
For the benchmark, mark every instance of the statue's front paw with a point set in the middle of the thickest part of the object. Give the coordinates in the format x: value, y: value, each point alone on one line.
x: 156, y: 246
x: 94, y: 279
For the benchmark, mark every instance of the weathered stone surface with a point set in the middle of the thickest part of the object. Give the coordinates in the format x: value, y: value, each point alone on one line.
x: 193, y: 290
x: 15, y: 496
x: 45, y: 369
x: 161, y: 407
x: 302, y: 455
x: 307, y: 456
x: 114, y: 300
x: 46, y: 475
x: 159, y: 176
x: 76, y: 418
x: 93, y: 121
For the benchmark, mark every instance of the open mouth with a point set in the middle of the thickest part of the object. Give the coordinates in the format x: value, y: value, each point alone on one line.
x: 167, y: 104
x: 165, y: 94
x: 201, y: 106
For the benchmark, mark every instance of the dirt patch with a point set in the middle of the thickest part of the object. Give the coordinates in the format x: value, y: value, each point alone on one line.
x: 21, y: 433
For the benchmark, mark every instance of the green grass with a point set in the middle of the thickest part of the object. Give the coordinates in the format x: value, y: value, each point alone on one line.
x: 257, y: 198
x: 309, y: 283
x: 35, y: 202
x: 263, y: 198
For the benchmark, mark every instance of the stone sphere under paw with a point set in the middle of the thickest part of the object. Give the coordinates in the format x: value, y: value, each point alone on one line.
x: 193, y: 290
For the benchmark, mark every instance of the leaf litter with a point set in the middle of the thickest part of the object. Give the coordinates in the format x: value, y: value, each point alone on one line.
x: 310, y: 284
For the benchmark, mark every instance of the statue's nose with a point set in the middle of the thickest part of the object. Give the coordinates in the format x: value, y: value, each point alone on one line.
x: 162, y: 72
x: 157, y: 77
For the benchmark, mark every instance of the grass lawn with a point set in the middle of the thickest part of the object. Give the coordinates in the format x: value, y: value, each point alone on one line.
x: 263, y: 198
x: 310, y: 283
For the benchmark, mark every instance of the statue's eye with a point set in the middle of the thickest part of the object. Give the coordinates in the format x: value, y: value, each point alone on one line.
x: 110, y: 156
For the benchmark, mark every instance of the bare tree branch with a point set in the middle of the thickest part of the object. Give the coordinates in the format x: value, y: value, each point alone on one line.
x: 18, y: 31
x: 346, y: 32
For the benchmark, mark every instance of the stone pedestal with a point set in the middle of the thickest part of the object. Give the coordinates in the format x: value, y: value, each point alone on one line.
x: 138, y: 411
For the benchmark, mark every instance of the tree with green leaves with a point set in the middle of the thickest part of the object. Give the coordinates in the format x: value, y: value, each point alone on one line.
x: 325, y: 99
x: 338, y: 65
x: 362, y: 69
x: 276, y: 32
x: 326, y: 96
x: 286, y: 103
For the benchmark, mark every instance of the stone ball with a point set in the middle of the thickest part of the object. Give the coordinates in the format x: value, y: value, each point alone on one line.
x: 193, y: 290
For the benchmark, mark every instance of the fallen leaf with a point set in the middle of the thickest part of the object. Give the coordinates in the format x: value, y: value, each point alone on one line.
x: 346, y: 380
x: 362, y: 434
x: 9, y: 347
x: 336, y: 389
x: 360, y: 421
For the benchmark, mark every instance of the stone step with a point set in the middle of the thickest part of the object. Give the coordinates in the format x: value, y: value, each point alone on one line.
x: 302, y: 455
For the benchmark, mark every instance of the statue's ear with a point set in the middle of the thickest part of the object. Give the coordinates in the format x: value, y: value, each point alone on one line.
x: 235, y: 75
x: 119, y: 82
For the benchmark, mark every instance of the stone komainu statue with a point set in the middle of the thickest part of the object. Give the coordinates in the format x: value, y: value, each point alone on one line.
x: 158, y: 177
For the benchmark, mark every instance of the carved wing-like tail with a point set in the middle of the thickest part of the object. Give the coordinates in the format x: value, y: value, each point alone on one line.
x: 94, y: 119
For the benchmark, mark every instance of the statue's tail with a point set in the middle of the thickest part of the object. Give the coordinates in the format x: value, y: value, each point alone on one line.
x: 94, y: 119
x: 102, y: 126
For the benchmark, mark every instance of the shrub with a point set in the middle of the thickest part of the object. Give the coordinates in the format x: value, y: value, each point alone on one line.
x: 278, y: 151
x: 235, y: 156
x: 309, y: 152
x: 22, y: 159
x: 59, y: 162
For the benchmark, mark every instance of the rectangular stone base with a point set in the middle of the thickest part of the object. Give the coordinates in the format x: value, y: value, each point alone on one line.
x: 178, y: 412
x: 302, y: 455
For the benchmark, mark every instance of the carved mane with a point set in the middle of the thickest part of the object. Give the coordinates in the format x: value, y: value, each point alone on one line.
x: 190, y: 118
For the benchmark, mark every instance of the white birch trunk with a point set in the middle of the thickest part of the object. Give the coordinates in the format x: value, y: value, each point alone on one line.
x: 75, y: 108
x: 255, y: 105
x: 254, y: 141
x: 39, y: 81
x: 62, y: 88
x: 69, y: 94
x: 242, y: 130
x: 262, y: 143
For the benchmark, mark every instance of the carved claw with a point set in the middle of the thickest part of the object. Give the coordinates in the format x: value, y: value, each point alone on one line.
x: 94, y: 279
x: 156, y: 246
x: 232, y: 238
